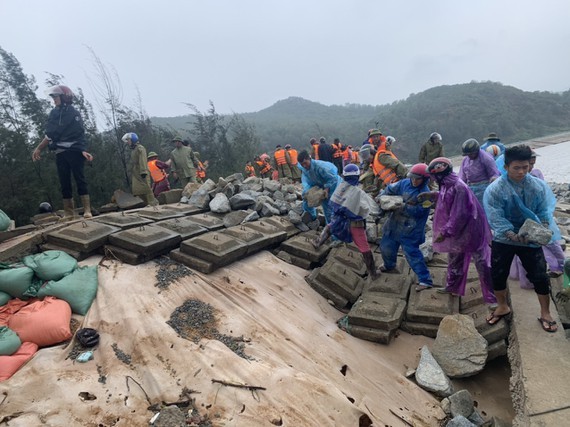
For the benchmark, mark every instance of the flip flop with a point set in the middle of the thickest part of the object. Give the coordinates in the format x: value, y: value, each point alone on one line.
x: 420, y: 288
x: 494, y: 319
x: 551, y: 325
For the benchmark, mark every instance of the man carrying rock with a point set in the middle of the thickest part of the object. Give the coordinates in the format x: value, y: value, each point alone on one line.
x: 509, y: 202
x: 321, y: 174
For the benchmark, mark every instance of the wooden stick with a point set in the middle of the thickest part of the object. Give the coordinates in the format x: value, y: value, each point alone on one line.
x: 248, y: 387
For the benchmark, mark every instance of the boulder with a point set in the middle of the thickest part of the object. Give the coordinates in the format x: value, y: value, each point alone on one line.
x: 229, y: 190
x: 235, y: 218
x: 315, y: 196
x: 241, y: 201
x: 460, y: 421
x: 535, y: 232
x: 208, y: 186
x: 253, y: 216
x: 431, y: 377
x: 461, y: 403
x: 220, y: 204
x: 278, y: 195
x: 459, y: 349
x: 268, y: 210
x: 390, y: 203
x: 294, y: 217
x: 200, y: 199
x: 271, y: 185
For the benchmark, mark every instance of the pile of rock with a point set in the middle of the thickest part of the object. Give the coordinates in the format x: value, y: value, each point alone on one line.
x: 562, y: 191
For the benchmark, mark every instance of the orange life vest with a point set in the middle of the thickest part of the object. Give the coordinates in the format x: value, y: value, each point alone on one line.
x: 386, y: 175
x: 156, y: 173
x: 316, y: 148
x: 280, y: 158
x: 337, y: 150
x: 263, y: 167
x: 355, y: 157
x: 249, y: 170
x: 201, y: 172
x: 293, y: 156
x: 346, y: 156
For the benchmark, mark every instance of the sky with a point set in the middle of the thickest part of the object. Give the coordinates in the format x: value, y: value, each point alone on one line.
x: 245, y: 55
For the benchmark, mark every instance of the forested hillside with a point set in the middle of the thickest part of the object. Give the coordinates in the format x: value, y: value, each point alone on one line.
x: 458, y: 112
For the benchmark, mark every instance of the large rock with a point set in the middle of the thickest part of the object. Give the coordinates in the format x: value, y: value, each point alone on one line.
x: 271, y: 186
x: 208, y: 186
x: 431, y: 377
x: 315, y: 196
x: 390, y: 203
x: 461, y: 403
x: 200, y: 199
x: 190, y: 189
x: 460, y: 421
x: 459, y: 349
x: 171, y: 416
x: 535, y: 232
x: 268, y: 210
x: 294, y: 217
x: 220, y: 204
x: 236, y: 177
x: 241, y: 201
x: 235, y: 218
x: 229, y: 190
x: 251, y: 217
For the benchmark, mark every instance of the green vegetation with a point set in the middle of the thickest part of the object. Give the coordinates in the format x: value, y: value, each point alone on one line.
x: 457, y: 112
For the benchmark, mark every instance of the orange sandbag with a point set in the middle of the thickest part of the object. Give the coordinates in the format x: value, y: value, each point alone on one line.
x: 11, y: 307
x: 43, y: 322
x: 10, y: 364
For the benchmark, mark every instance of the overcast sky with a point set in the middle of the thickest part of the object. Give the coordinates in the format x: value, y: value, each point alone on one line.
x: 245, y: 55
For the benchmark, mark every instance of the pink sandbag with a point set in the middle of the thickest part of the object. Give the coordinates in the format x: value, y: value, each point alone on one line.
x: 43, y: 322
x: 10, y: 364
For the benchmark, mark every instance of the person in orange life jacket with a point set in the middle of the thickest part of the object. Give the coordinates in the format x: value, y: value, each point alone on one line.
x: 386, y: 166
x: 346, y: 155
x: 279, y: 163
x: 337, y: 154
x: 375, y: 138
x: 355, y: 156
x: 201, y: 168
x: 263, y: 168
x: 158, y: 174
x: 291, y: 157
x: 326, y: 151
x: 314, y: 148
x: 249, y: 169
x: 65, y: 134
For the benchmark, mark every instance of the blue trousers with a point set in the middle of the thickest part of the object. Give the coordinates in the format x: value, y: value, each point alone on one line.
x: 326, y: 209
x: 389, y: 249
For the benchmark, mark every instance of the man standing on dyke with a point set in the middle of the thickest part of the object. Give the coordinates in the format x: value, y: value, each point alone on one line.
x: 183, y: 163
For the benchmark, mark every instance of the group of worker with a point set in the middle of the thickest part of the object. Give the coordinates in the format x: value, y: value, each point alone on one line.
x: 478, y: 213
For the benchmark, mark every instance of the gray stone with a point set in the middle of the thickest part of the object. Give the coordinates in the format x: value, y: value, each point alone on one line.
x: 209, y: 185
x: 200, y: 199
x: 220, y: 204
x: 372, y: 232
x: 190, y: 189
x: 298, y: 207
x: 427, y: 250
x: 171, y: 416
x: 294, y: 217
x: 221, y: 183
x: 390, y: 203
x: 289, y: 188
x: 235, y: 218
x: 254, y: 186
x: 268, y: 210
x: 315, y: 196
x: 236, y: 177
x: 282, y: 206
x: 306, y: 217
x: 460, y: 350
x: 290, y: 198
x: 461, y: 403
x: 253, y: 216
x: 302, y: 227
x: 460, y: 421
x: 535, y: 232
x: 241, y: 201
x: 445, y: 405
x: 476, y: 418
x: 171, y: 196
x: 278, y: 195
x: 252, y: 180
x: 229, y: 190
x: 271, y: 185
x: 314, y: 225
x: 431, y: 377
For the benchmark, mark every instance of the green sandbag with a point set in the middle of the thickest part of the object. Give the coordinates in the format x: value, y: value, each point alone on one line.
x: 78, y: 289
x: 15, y: 279
x: 9, y: 341
x: 4, y: 221
x: 4, y: 298
x: 51, y: 265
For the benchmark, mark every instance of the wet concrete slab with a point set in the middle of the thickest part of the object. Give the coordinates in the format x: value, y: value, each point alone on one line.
x: 184, y: 209
x: 158, y: 213
x: 183, y: 226
x: 294, y: 260
x: 430, y: 306
x: 341, y: 280
x: 269, y: 229
x: 82, y: 236
x: 374, y: 310
x: 349, y: 256
x: 130, y: 257
x: 215, y: 247
x: 255, y: 240
x: 192, y: 262
x: 419, y: 328
x: 207, y: 220
x: 337, y: 300
x: 282, y: 224
x: 301, y: 246
x: 371, y: 334
x: 147, y: 240
x: 392, y: 285
x: 123, y: 220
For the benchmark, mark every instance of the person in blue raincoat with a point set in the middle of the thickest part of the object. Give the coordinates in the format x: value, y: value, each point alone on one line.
x: 318, y: 173
x: 350, y: 208
x: 406, y: 227
x: 509, y: 202
x: 493, y: 139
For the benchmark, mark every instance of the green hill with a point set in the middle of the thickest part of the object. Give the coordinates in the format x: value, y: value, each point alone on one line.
x: 457, y: 112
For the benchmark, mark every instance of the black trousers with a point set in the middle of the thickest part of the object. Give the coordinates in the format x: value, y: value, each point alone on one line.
x: 70, y: 162
x: 532, y: 259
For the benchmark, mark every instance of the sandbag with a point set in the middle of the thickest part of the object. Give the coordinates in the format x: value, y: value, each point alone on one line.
x: 51, y: 265
x: 78, y: 289
x: 15, y: 279
x: 9, y: 341
x: 10, y: 364
x: 4, y: 298
x: 4, y: 221
x: 43, y: 322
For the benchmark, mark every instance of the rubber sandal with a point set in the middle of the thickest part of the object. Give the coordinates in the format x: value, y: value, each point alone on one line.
x: 421, y: 287
x: 550, y: 324
x: 495, y: 318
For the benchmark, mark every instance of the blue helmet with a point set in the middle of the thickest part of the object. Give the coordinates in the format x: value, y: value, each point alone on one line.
x: 130, y: 137
x: 351, y: 170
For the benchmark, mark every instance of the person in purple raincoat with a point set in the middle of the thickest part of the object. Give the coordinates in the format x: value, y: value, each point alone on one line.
x: 478, y: 168
x: 460, y: 228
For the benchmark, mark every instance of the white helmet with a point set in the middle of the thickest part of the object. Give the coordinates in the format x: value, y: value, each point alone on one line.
x: 435, y: 137
x: 390, y: 140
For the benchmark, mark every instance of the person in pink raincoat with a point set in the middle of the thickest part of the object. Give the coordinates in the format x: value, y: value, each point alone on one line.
x: 460, y: 229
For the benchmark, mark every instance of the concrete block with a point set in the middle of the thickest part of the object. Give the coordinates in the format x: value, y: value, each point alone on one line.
x: 294, y: 260
x: 147, y: 240
x: 190, y: 261
x: 492, y: 333
x: 392, y: 285
x: 268, y: 228
x: 126, y: 200
x: 255, y: 240
x: 171, y: 196
x: 430, y: 306
x: 497, y: 349
x: 419, y: 328
x: 301, y: 246
x: 184, y: 209
x: 82, y: 236
x: 349, y: 256
x: 376, y: 311
x: 158, y: 213
x: 183, y: 226
x: 282, y: 224
x: 208, y: 221
x: 123, y: 221
x: 371, y: 334
x: 78, y: 255
x: 341, y: 280
x: 338, y: 300
x: 215, y: 247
